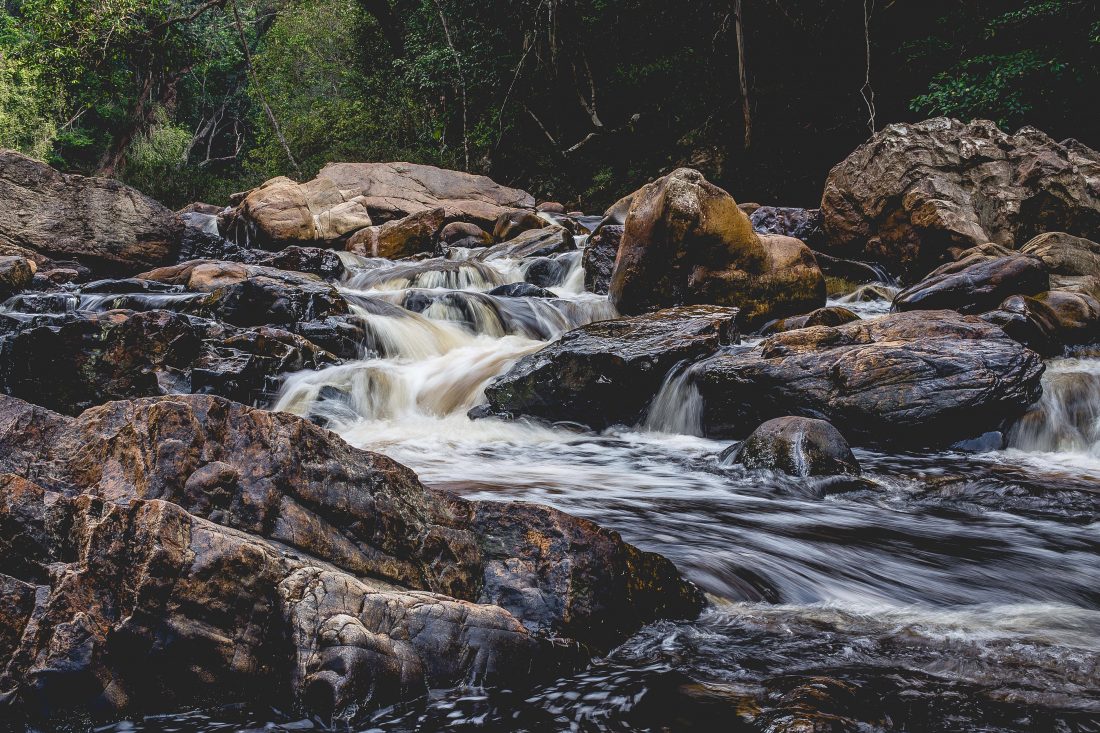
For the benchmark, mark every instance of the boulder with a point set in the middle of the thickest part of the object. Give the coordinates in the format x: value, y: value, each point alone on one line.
x: 414, y: 234
x: 685, y: 241
x: 798, y: 446
x: 599, y: 258
x: 551, y: 207
x: 97, y: 222
x: 510, y: 224
x: 461, y: 233
x: 281, y: 212
x: 267, y: 561
x: 547, y: 240
x: 907, y: 379
x: 544, y: 272
x: 323, y: 263
x: 1073, y: 262
x: 16, y: 274
x: 970, y: 286
x: 1030, y: 322
x: 914, y: 194
x: 607, y: 372
x: 802, y: 224
x: 395, y: 190
x: 829, y: 316
x: 98, y: 357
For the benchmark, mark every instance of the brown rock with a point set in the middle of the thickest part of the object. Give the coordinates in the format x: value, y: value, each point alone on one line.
x: 415, y: 234
x: 16, y: 274
x: 513, y: 223
x: 98, y: 222
x: 828, y: 316
x: 916, y: 191
x: 975, y: 284
x: 686, y: 241
x: 461, y: 231
x: 599, y: 257
x: 281, y: 212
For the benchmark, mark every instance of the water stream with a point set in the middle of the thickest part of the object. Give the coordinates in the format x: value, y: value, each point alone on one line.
x: 959, y: 591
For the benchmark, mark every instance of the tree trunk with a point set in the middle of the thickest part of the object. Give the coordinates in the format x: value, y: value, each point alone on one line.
x: 743, y: 78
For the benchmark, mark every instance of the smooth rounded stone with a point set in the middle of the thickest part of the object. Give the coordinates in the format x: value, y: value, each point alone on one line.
x: 833, y: 315
x: 975, y: 286
x: 98, y: 357
x: 520, y: 290
x: 282, y: 212
x: 1065, y: 254
x: 914, y: 193
x: 1077, y: 316
x: 469, y: 235
x: 551, y: 207
x: 908, y: 379
x: 512, y: 224
x: 412, y: 235
x: 545, y: 272
x: 798, y: 446
x: 1030, y: 322
x: 549, y: 239
x: 607, y: 372
x: 686, y: 241
x: 98, y: 222
x: 599, y: 258
x: 16, y: 274
x: 802, y: 224
x: 268, y: 561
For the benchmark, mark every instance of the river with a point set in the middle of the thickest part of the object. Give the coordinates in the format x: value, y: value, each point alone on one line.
x: 959, y: 592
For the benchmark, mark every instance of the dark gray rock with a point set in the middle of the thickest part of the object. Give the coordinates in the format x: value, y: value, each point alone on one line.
x: 798, y: 446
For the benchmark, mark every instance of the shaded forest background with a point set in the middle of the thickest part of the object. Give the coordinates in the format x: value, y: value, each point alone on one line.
x: 574, y: 100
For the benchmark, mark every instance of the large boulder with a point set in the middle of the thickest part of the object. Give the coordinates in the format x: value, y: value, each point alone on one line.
x: 189, y: 549
x: 281, y: 212
x: 97, y: 222
x: 685, y: 242
x: 414, y: 234
x: 802, y: 224
x: 1049, y: 322
x: 914, y: 194
x: 97, y: 357
x: 395, y: 190
x: 1073, y: 262
x: 975, y: 287
x: 908, y: 379
x: 608, y: 372
x: 798, y: 446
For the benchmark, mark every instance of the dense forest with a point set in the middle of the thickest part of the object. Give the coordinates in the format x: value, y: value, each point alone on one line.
x: 575, y: 100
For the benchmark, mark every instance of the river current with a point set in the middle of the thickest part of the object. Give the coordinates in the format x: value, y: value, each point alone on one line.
x: 958, y: 591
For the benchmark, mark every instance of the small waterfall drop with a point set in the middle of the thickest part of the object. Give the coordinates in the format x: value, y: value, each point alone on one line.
x: 1067, y: 417
x: 678, y: 405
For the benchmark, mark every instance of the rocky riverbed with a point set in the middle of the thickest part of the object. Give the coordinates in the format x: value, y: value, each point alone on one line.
x: 396, y: 449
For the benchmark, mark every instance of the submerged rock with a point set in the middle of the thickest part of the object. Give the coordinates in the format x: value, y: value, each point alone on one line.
x: 520, y: 290
x: 607, y: 372
x: 685, y: 241
x: 798, y: 446
x: 917, y: 193
x: 266, y: 560
x: 908, y: 379
x: 100, y: 223
x: 975, y: 284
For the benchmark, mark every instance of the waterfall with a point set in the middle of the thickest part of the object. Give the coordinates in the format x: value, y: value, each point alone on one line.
x: 1067, y: 417
x: 678, y: 406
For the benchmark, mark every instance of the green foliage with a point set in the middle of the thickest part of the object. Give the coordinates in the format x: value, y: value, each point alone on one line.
x: 156, y: 159
x: 26, y: 123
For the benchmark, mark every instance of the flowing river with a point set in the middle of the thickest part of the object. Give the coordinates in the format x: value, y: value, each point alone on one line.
x: 960, y: 593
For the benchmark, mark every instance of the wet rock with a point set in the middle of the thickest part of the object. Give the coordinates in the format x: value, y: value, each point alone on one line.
x: 1077, y: 316
x: 1028, y: 321
x: 323, y: 263
x: 128, y: 285
x: 513, y: 223
x: 798, y: 446
x: 607, y: 372
x: 802, y: 224
x: 970, y: 286
x: 16, y: 274
x: 545, y: 272
x: 252, y: 295
x: 98, y: 357
x: 55, y: 277
x: 844, y: 276
x: 908, y: 379
x: 265, y: 559
x: 458, y: 232
x: 98, y: 222
x: 543, y: 242
x: 343, y: 336
x: 915, y: 192
x: 551, y: 207
x: 412, y: 235
x: 828, y: 316
x: 395, y: 190
x: 1073, y: 262
x: 521, y: 290
x: 685, y: 241
x: 599, y: 258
